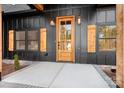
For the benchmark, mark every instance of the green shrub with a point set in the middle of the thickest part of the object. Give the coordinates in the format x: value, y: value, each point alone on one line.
x: 16, y: 62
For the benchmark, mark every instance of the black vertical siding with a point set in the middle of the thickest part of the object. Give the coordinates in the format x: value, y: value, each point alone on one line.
x: 90, y: 14
x: 84, y: 22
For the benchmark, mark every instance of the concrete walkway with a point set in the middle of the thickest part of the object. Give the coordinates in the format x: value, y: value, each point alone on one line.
x: 58, y: 75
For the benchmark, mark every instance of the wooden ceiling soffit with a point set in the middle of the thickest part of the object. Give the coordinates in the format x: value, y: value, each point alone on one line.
x: 39, y: 7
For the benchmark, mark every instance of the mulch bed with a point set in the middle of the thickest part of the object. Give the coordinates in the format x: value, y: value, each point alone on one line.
x: 9, y: 68
x: 107, y: 71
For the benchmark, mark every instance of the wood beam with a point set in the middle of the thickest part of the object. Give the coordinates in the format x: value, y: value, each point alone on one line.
x: 120, y: 45
x: 39, y: 7
x: 0, y: 40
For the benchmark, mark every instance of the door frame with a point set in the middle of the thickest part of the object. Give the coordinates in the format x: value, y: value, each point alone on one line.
x: 73, y: 36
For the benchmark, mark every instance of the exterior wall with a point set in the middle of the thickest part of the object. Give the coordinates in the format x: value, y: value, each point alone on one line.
x: 90, y: 14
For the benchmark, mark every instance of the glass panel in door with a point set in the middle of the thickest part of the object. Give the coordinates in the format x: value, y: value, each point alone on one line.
x: 65, y: 36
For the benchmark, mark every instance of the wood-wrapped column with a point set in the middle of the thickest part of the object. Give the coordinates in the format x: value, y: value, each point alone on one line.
x: 120, y: 45
x: 0, y: 40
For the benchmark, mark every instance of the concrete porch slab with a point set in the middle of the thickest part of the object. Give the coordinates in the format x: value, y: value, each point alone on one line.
x: 79, y: 76
x: 39, y: 74
x: 58, y: 75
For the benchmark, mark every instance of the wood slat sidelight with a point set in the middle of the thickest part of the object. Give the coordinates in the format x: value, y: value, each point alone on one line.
x: 11, y: 40
x: 91, y: 38
x: 43, y: 39
x: 120, y: 45
x: 0, y: 40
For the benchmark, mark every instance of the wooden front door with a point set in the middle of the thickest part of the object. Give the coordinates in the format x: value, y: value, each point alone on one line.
x: 65, y: 48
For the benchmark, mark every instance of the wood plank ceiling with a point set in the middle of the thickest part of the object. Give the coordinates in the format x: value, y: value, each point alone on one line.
x: 39, y: 7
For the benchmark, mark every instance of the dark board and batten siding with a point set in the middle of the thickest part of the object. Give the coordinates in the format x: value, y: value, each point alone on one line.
x: 90, y: 14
